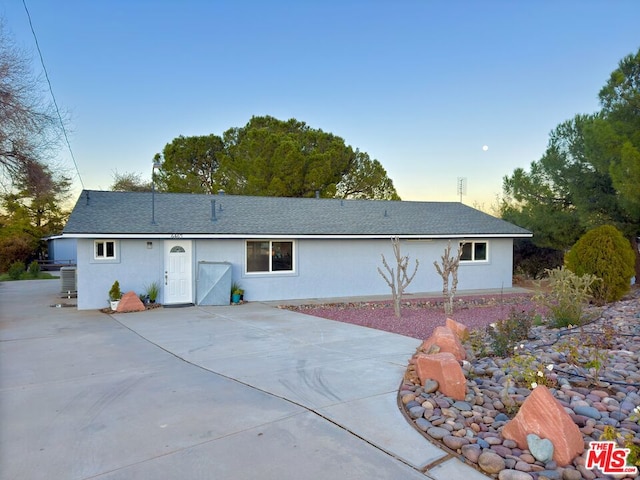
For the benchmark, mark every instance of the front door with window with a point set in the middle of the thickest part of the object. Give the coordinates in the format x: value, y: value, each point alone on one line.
x: 177, y: 272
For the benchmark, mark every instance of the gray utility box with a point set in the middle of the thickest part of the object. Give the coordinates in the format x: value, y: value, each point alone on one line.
x: 213, y: 284
x: 68, y: 280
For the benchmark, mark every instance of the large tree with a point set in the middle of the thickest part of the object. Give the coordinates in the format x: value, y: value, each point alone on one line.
x: 366, y: 178
x: 129, y: 182
x: 191, y: 164
x: 284, y: 159
x: 32, y: 189
x: 274, y: 158
x: 590, y: 172
x: 29, y: 127
x: 31, y: 211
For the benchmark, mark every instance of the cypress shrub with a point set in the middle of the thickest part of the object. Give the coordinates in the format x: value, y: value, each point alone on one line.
x: 605, y: 253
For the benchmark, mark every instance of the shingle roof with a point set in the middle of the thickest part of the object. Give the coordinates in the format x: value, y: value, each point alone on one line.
x: 121, y: 213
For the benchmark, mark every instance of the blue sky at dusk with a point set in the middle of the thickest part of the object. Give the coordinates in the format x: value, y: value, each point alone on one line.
x: 419, y: 85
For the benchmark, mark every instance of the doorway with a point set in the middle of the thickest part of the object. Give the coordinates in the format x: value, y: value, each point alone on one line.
x: 177, y: 272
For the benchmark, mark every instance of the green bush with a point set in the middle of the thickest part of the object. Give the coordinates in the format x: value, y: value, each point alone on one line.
x: 34, y: 269
x: 505, y: 334
x: 114, y: 291
x: 605, y: 253
x: 567, y: 296
x: 16, y: 270
x: 152, y: 291
x: 15, y: 249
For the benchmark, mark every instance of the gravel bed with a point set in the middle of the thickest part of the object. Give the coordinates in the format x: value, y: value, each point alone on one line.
x: 421, y: 316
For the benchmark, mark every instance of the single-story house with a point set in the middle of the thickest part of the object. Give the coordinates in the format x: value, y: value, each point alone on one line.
x: 275, y: 248
x: 61, y: 251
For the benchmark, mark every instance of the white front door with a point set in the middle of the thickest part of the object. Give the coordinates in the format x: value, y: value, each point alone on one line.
x: 177, y: 272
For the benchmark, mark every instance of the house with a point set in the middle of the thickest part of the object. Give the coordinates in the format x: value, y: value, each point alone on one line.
x: 61, y: 252
x: 276, y: 248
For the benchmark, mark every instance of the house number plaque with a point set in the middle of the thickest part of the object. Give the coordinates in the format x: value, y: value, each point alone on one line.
x: 176, y: 235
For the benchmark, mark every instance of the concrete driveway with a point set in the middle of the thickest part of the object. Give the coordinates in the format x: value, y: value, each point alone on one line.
x: 201, y: 393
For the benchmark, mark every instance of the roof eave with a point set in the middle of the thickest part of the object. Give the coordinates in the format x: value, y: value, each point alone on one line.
x: 212, y: 236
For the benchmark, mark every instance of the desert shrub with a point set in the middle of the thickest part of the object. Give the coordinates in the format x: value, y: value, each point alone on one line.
x: 505, y: 334
x: 567, y: 296
x: 533, y: 261
x: 16, y: 270
x: 605, y: 253
x: 34, y: 269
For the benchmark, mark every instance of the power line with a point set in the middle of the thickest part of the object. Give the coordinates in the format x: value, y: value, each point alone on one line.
x: 55, y: 104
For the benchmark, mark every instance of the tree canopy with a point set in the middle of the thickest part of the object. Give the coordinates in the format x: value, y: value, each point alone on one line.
x: 129, y: 182
x: 33, y: 190
x: 191, y: 164
x: 589, y: 174
x: 272, y: 157
x: 29, y: 129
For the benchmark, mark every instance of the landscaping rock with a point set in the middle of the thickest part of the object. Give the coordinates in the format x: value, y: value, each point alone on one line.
x: 514, y: 475
x: 544, y: 416
x: 130, y: 302
x: 458, y: 328
x: 445, y: 369
x: 540, y: 448
x: 447, y: 341
x: 491, y: 462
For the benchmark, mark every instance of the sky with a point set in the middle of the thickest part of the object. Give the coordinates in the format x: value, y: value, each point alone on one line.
x: 420, y: 85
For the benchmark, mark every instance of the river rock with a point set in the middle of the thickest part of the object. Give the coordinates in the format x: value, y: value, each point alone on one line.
x: 437, y: 432
x: 491, y: 462
x: 514, y: 475
x: 540, y: 448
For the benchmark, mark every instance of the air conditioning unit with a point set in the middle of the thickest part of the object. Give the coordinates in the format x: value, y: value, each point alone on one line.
x: 68, y: 279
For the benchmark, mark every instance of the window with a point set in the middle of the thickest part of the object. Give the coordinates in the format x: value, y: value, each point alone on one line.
x: 265, y: 256
x: 104, y: 249
x: 474, y: 252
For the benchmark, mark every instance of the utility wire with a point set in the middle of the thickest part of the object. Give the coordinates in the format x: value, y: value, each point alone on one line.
x: 55, y: 104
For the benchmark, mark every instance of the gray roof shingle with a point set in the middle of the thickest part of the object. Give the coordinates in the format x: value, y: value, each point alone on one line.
x: 120, y: 213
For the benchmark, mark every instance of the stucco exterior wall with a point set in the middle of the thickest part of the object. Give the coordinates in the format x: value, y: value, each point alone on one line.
x: 135, y: 266
x: 62, y: 250
x: 323, y: 268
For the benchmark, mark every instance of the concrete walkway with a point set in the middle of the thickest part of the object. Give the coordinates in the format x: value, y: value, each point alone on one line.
x: 238, y: 392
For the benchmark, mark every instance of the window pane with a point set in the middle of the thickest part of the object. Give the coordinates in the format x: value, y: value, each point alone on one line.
x: 480, y: 251
x: 466, y: 252
x: 110, y: 249
x: 282, y: 256
x: 99, y: 249
x: 257, y: 256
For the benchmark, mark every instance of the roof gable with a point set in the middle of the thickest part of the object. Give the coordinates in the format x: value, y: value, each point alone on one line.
x: 125, y: 213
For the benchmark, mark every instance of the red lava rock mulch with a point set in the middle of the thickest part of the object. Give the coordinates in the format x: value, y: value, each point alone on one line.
x: 421, y: 316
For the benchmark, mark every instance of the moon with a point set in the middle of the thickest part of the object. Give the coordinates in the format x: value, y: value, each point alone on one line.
x: 485, y: 147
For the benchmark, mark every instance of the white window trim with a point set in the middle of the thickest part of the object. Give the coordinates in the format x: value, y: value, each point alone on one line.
x: 105, y: 258
x: 270, y: 271
x: 473, y: 251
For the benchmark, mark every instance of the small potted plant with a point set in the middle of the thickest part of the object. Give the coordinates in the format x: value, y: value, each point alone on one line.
x: 115, y: 295
x: 153, y: 289
x: 236, y: 293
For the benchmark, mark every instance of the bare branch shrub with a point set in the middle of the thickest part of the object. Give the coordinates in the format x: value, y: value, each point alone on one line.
x: 397, y: 279
x: 449, y: 267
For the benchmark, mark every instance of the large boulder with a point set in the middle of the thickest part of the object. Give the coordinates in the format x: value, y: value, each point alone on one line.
x: 541, y: 414
x: 446, y: 370
x: 458, y: 328
x: 130, y: 302
x: 447, y: 341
